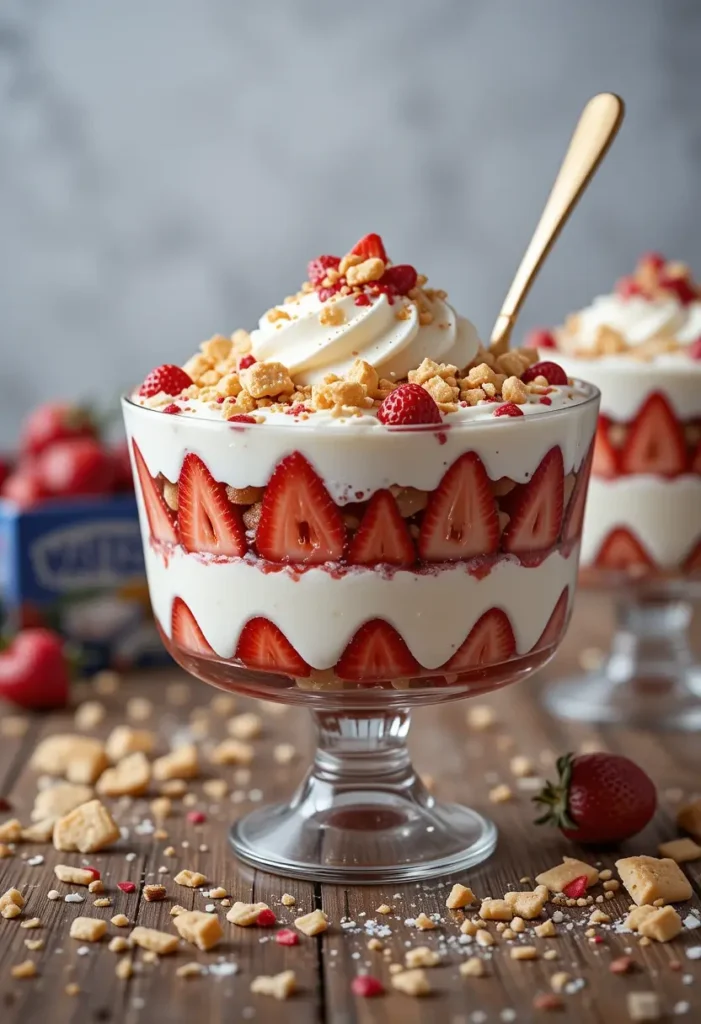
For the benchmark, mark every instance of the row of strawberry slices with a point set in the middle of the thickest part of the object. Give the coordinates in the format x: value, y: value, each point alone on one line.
x: 300, y: 524
x: 621, y: 551
x: 376, y: 652
x: 655, y: 442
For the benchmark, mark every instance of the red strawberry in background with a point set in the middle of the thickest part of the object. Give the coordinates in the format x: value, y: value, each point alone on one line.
x: 24, y: 488
x: 79, y: 466
x: 123, y: 479
x: 5, y: 470
x: 655, y: 443
x: 34, y: 671
x: 540, y: 338
x: 598, y: 798
x: 52, y: 422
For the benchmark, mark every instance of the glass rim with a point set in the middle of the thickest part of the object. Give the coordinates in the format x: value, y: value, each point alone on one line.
x: 467, y: 425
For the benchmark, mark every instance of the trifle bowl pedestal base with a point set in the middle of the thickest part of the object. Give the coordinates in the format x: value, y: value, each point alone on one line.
x: 362, y: 815
x: 649, y: 679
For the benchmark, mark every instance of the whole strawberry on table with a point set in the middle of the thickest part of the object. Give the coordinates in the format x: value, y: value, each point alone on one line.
x: 34, y: 670
x: 598, y: 798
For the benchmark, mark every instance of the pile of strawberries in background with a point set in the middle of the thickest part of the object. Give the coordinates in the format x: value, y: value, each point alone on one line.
x: 62, y: 456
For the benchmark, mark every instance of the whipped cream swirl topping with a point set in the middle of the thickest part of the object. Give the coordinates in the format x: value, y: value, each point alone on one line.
x: 658, y: 302
x: 362, y: 307
x: 311, y: 348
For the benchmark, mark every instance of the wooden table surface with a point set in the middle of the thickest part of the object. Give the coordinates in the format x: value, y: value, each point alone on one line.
x: 464, y: 764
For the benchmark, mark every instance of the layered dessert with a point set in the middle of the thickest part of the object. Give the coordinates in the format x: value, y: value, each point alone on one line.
x: 641, y: 346
x: 359, y: 493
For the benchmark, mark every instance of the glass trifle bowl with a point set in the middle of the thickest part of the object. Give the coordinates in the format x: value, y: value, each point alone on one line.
x: 641, y: 346
x: 395, y: 523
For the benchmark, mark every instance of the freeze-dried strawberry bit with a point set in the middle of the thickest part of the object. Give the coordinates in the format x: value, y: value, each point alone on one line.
x: 366, y: 986
x: 325, y: 293
x: 681, y: 287
x: 172, y: 409
x: 628, y: 287
x: 370, y: 246
x: 169, y: 379
x: 546, y: 401
x: 408, y: 405
x: 378, y: 288
x: 577, y: 888
x: 317, y: 269
x: 286, y: 937
x: 246, y: 361
x: 508, y: 409
x: 540, y: 338
x: 196, y: 817
x: 266, y: 919
x: 402, y: 278
x: 363, y: 300
x: 241, y: 417
x: 553, y: 373
x: 126, y: 886
x: 93, y: 871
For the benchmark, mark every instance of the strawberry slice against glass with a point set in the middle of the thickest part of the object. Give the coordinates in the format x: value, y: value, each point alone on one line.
x: 383, y: 537
x: 555, y: 625
x: 461, y: 520
x: 299, y: 522
x: 160, y: 519
x: 621, y: 551
x: 574, y: 515
x: 185, y: 631
x: 265, y: 647
x: 655, y: 442
x: 606, y: 457
x: 536, y: 509
x: 376, y: 652
x: 207, y: 521
x: 490, y: 641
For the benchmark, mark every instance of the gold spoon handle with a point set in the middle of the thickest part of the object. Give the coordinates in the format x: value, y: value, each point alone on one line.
x: 595, y: 131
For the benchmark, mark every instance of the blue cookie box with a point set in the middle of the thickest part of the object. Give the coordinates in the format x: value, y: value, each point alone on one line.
x: 78, y: 566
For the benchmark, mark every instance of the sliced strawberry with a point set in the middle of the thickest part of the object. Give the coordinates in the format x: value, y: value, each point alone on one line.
x: 264, y: 647
x: 490, y: 641
x: 461, y: 519
x: 555, y: 624
x: 207, y: 520
x: 184, y: 630
x: 536, y: 512
x: 605, y: 462
x: 299, y: 522
x: 383, y: 536
x: 574, y: 516
x: 621, y: 551
x: 370, y: 246
x: 160, y: 518
x: 376, y: 652
x: 655, y: 442
x: 693, y: 562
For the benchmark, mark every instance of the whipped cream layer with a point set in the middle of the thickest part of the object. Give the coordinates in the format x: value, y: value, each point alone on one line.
x: 665, y: 515
x: 311, y: 348
x: 365, y: 456
x: 319, y: 612
x: 638, y: 319
x: 626, y: 383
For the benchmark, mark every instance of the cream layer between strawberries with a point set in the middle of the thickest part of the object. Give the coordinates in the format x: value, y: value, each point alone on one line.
x: 366, y: 456
x: 319, y: 612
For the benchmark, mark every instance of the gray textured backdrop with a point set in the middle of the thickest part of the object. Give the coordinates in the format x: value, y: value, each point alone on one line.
x: 168, y: 166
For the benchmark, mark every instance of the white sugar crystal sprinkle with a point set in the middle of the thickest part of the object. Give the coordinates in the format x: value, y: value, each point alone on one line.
x: 681, y: 1007
x: 73, y: 897
x: 53, y: 894
x: 34, y: 862
x: 223, y: 970
x: 210, y: 908
x: 692, y: 921
x: 130, y: 857
x: 83, y: 950
x: 694, y: 952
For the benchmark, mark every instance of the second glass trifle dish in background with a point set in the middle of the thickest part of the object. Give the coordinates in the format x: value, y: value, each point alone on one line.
x: 361, y: 509
x: 641, y: 346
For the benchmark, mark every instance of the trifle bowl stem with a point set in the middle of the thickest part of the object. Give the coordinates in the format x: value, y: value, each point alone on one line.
x: 649, y: 677
x: 362, y: 815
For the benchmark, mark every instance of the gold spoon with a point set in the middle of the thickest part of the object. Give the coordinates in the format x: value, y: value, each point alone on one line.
x: 595, y: 131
